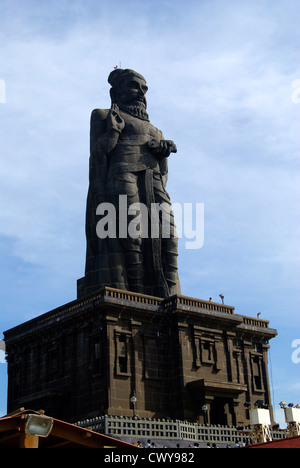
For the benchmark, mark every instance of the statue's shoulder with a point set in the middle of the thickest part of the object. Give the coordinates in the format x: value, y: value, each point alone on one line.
x: 98, y: 125
x: 99, y: 114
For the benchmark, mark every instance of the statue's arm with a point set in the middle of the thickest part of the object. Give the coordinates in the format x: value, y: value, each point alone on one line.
x: 161, y: 149
x: 106, y: 126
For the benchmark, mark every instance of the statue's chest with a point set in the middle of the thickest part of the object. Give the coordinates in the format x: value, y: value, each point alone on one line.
x: 137, y: 129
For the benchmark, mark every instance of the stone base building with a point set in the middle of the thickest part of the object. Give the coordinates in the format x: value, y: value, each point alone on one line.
x: 182, y: 358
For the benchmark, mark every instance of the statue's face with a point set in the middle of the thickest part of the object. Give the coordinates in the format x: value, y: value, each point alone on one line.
x: 132, y: 91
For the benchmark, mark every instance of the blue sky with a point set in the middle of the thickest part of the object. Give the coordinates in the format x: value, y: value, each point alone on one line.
x: 221, y: 79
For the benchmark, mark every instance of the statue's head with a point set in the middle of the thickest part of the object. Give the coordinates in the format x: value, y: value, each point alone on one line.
x: 128, y: 90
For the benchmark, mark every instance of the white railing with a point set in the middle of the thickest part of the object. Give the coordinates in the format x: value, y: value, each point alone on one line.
x: 119, y: 426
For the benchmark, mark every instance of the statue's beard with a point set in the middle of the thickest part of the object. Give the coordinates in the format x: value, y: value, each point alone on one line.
x: 137, y: 109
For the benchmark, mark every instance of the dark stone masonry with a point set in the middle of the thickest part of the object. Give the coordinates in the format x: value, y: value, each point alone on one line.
x: 175, y: 355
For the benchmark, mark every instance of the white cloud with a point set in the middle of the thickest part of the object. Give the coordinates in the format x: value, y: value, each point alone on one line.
x: 220, y: 80
x: 220, y: 77
x: 217, y: 82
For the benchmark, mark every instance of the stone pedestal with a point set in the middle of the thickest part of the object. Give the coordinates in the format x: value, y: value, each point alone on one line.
x: 89, y: 357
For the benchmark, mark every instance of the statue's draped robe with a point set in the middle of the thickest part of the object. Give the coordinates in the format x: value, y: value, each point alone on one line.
x: 144, y: 265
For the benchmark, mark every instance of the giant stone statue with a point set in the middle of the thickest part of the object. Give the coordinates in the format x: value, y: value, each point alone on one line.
x: 129, y: 168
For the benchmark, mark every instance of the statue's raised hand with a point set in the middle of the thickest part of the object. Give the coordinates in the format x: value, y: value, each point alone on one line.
x: 114, y: 119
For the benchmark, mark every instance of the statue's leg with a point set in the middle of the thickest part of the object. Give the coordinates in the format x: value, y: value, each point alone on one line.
x: 132, y: 246
x: 169, y: 241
